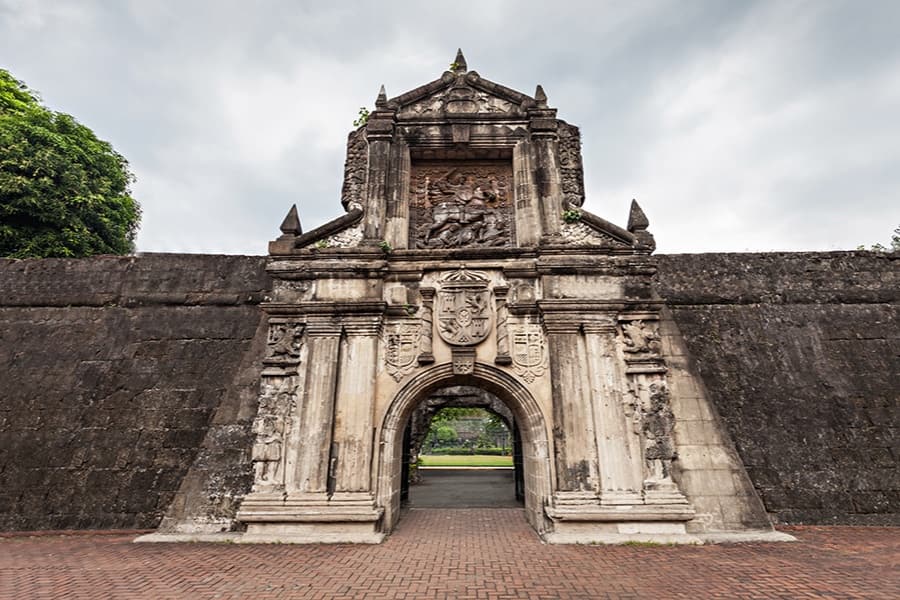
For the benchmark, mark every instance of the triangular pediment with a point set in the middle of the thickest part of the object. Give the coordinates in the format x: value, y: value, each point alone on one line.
x: 460, y: 93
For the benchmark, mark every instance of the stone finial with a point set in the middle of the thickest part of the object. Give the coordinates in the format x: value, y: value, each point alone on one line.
x: 459, y: 63
x: 540, y: 96
x: 637, y: 220
x: 291, y: 223
x: 381, y: 100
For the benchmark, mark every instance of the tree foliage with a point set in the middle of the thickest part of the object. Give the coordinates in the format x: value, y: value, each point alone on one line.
x: 894, y: 247
x: 63, y: 192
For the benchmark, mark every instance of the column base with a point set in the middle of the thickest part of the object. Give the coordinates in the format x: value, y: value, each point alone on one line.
x: 343, y: 518
x: 641, y: 532
x: 610, y: 520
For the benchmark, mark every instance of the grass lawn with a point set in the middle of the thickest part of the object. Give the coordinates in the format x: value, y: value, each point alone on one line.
x: 464, y: 460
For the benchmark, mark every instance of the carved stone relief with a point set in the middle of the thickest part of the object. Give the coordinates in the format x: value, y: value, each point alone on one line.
x: 658, y: 422
x: 582, y: 234
x: 571, y: 169
x: 347, y: 238
x: 355, y: 169
x: 456, y: 205
x: 401, y: 344
x: 464, y: 308
x: 641, y: 337
x: 284, y: 342
x: 459, y: 99
x: 275, y: 405
x: 528, y: 356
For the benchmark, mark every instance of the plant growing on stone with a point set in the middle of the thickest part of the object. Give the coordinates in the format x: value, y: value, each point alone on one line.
x: 385, y: 247
x: 363, y: 117
x: 572, y: 215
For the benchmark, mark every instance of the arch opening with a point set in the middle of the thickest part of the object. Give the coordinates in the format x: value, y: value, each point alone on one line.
x: 461, y: 453
x: 529, y: 419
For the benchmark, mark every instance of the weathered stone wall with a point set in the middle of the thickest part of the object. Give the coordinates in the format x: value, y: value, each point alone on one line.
x: 111, y: 370
x: 118, y: 374
x: 800, y: 354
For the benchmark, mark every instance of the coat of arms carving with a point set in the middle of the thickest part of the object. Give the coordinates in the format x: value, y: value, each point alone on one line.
x: 464, y: 308
x: 528, y: 351
x: 401, y: 343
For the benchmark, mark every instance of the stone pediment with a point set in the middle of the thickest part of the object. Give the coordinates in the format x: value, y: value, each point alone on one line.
x: 460, y: 92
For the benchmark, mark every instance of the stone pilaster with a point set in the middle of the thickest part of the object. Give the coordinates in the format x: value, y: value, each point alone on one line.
x: 573, y: 422
x: 548, y: 180
x: 317, y: 414
x: 653, y: 419
x: 618, y: 484
x: 354, y: 407
x: 379, y: 133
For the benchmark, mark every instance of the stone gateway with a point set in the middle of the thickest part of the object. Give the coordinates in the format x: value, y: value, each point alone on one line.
x: 465, y: 260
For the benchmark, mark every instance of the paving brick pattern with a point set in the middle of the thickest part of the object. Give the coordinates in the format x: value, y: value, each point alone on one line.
x: 454, y: 553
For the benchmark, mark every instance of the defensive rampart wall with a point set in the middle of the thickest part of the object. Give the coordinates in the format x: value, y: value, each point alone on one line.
x: 123, y: 379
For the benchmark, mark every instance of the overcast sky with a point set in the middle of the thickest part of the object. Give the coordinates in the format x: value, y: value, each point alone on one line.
x: 737, y: 125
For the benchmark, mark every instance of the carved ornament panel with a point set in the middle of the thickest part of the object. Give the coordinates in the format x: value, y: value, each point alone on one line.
x: 464, y: 308
x: 461, y: 205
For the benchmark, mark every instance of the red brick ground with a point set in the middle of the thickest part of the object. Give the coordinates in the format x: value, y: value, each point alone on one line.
x: 465, y: 553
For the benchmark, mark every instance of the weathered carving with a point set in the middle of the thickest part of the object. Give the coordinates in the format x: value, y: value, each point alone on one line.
x: 461, y: 204
x: 571, y: 169
x: 401, y: 343
x: 528, y: 356
x: 355, y: 169
x: 582, y: 234
x: 641, y: 336
x: 459, y: 99
x: 284, y: 341
x: 275, y: 404
x: 657, y: 424
x: 463, y: 360
x: 432, y: 106
x: 492, y: 104
x: 464, y: 308
x: 503, y: 357
x: 426, y: 355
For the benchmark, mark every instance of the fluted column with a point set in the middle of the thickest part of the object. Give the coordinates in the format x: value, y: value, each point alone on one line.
x: 314, y: 449
x: 573, y: 430
x: 354, y: 405
x: 617, y: 482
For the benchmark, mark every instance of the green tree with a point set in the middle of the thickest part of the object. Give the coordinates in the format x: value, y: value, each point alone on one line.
x: 63, y: 192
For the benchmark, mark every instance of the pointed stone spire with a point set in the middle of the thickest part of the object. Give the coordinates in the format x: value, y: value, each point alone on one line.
x: 291, y: 223
x: 381, y: 100
x: 637, y: 220
x: 540, y: 96
x: 459, y: 63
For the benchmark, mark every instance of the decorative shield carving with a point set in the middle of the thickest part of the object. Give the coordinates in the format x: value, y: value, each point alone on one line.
x: 464, y: 308
x: 528, y: 351
x: 401, y: 343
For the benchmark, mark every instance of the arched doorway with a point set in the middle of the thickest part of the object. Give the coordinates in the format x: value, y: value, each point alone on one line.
x: 536, y: 464
x: 462, y: 449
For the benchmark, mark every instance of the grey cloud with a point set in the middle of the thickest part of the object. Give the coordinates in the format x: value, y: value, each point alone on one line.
x: 230, y: 112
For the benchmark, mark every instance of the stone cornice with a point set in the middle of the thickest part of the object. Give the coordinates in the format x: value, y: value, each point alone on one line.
x: 326, y: 307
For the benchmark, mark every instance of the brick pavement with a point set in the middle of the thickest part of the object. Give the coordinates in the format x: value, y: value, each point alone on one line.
x: 447, y: 553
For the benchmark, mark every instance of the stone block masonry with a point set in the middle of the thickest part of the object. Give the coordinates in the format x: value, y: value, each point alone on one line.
x: 111, y: 370
x: 800, y: 354
x: 125, y: 379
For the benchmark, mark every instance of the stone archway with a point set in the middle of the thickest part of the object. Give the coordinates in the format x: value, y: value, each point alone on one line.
x: 535, y: 441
